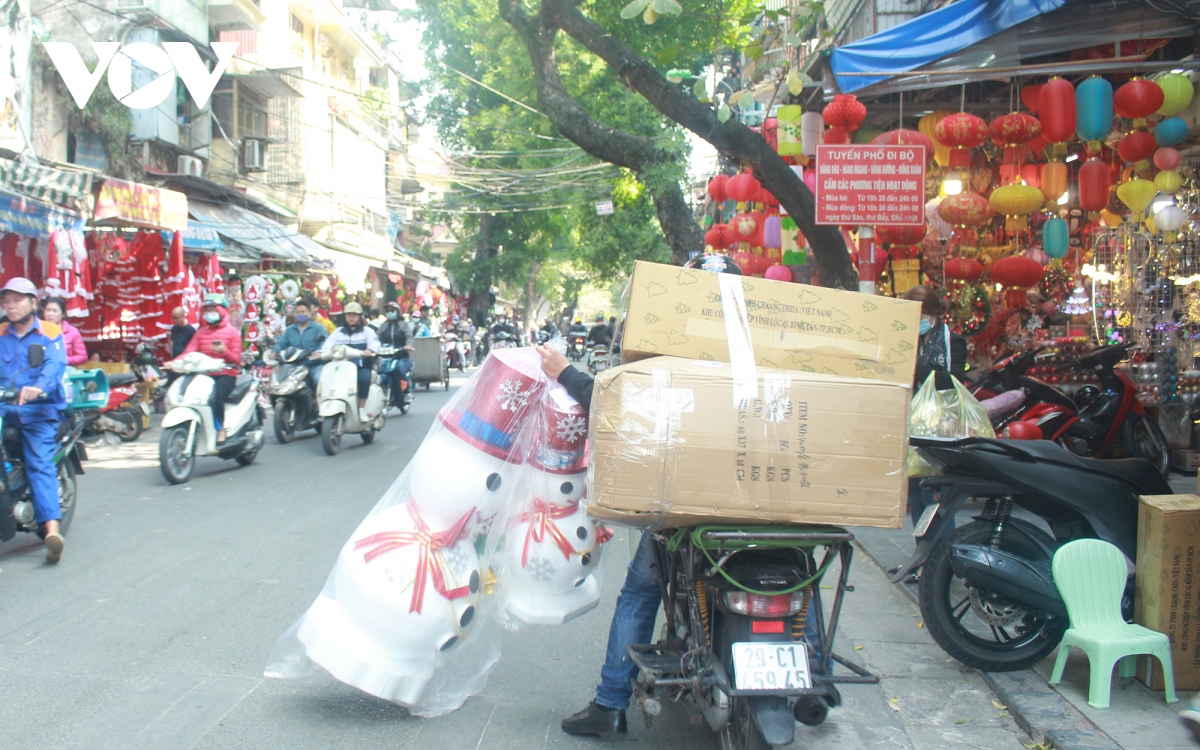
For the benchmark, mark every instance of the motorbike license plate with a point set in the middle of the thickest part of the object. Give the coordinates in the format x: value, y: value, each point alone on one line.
x: 770, y: 666
x: 925, y: 519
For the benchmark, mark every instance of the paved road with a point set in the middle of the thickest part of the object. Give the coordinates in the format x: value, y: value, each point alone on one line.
x: 153, y: 632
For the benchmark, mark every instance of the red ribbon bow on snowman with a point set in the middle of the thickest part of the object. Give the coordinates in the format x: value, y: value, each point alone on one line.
x: 429, y: 563
x: 540, y: 521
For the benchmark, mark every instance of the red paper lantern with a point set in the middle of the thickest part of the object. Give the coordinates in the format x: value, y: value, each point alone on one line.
x: 900, y: 235
x: 961, y: 130
x: 743, y: 187
x: 1166, y: 158
x: 1017, y: 271
x: 743, y: 228
x: 1014, y: 129
x: 965, y: 209
x: 963, y: 269
x: 1094, y: 183
x: 836, y: 137
x: 761, y: 264
x: 717, y: 236
x: 1137, y: 146
x: 767, y: 199
x: 1030, y: 94
x: 1138, y: 99
x: 1056, y: 110
x: 844, y: 113
x: 904, y: 137
x: 716, y: 188
x: 746, y: 262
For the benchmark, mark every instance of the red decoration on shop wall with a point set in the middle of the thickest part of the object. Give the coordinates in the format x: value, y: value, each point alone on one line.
x: 743, y: 187
x: 716, y: 188
x: 1056, y: 110
x: 1093, y: 185
x: 900, y: 235
x: 1137, y: 146
x: 1014, y: 129
x: 1138, y: 99
x: 963, y: 269
x: 1018, y: 271
x: 717, y: 236
x: 1029, y: 96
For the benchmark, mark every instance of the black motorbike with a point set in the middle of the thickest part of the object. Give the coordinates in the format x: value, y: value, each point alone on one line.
x: 986, y: 589
x: 576, y: 346
x: 16, y: 499
x: 292, y: 396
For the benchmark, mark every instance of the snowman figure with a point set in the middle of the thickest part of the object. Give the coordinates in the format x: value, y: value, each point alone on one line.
x: 402, y: 594
x: 552, y: 550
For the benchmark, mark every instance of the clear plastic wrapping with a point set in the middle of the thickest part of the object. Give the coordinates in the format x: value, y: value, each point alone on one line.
x: 486, y: 528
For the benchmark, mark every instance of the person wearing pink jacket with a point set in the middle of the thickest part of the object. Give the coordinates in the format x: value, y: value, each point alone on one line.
x: 216, y: 338
x: 54, y: 309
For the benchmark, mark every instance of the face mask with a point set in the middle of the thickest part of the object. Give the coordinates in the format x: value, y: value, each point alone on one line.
x: 301, y: 318
x: 926, y: 326
x: 212, y: 318
x: 391, y: 315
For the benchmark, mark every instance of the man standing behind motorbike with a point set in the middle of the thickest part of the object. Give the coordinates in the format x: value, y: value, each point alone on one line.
x: 394, y: 333
x: 219, y: 340
x: 40, y: 402
x: 356, y: 335
x: 304, y: 334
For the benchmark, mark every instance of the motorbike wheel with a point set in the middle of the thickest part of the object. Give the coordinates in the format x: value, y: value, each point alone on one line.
x: 136, y: 425
x: 331, y: 435
x: 983, y: 641
x: 67, y: 489
x: 446, y: 376
x: 741, y: 733
x: 1141, y: 437
x: 176, y: 462
x: 245, y: 459
x: 367, y: 436
x: 285, y: 421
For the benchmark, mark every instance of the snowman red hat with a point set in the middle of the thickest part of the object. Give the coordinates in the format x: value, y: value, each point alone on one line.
x: 506, y: 389
x: 561, y: 443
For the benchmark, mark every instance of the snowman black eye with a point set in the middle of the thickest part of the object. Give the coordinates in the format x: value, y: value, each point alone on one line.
x: 566, y: 488
x: 493, y: 482
x: 474, y: 581
x: 449, y: 642
x: 586, y: 560
x: 581, y: 532
x: 467, y: 616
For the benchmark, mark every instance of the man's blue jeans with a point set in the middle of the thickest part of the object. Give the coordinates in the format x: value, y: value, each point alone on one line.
x: 633, y: 622
x: 39, y: 444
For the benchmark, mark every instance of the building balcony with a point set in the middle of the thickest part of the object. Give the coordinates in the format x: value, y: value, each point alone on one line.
x: 188, y: 17
x: 236, y: 13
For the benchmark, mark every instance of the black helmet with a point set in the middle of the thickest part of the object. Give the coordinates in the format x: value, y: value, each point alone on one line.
x: 715, y: 262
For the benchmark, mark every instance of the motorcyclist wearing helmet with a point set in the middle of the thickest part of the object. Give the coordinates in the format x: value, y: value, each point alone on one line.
x: 638, y: 602
x: 356, y: 334
x: 40, y: 401
x: 219, y: 340
x: 599, y: 334
x: 577, y: 329
x: 394, y: 333
x: 305, y: 334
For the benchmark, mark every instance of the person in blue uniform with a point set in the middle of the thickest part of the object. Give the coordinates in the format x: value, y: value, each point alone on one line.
x: 40, y: 400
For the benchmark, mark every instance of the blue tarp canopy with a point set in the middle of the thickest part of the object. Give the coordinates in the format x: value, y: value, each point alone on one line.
x: 931, y: 37
x: 254, y: 230
x: 198, y: 236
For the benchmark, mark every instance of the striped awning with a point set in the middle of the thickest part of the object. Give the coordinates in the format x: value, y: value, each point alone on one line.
x: 44, y: 183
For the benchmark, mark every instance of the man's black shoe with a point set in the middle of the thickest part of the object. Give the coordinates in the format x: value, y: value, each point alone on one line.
x: 596, y: 720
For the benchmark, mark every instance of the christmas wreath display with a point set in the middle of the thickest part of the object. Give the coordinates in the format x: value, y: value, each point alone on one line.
x: 1056, y: 285
x: 968, y: 308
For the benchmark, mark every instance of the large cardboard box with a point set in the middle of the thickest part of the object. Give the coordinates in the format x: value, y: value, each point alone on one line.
x: 1167, y: 594
x: 678, y: 442
x: 715, y: 316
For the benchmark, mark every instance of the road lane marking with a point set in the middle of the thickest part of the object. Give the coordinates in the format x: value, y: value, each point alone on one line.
x: 36, y: 628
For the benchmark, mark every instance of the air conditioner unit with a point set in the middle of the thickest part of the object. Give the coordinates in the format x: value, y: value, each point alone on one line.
x: 190, y: 165
x: 254, y: 157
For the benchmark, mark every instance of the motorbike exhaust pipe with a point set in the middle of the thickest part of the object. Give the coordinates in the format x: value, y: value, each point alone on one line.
x: 811, y: 710
x: 1024, y: 581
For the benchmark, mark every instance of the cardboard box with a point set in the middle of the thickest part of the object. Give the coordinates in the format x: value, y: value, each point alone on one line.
x: 669, y: 446
x: 1167, y: 593
x: 685, y: 313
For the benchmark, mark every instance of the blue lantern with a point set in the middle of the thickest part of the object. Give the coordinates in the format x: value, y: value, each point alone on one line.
x: 1171, y: 131
x: 1093, y: 109
x: 1056, y: 239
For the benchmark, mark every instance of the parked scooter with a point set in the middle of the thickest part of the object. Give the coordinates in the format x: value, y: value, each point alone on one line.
x: 124, y: 413
x: 16, y: 500
x: 337, y: 399
x: 387, y: 365
x: 292, y: 397
x: 189, y: 428
x: 986, y: 590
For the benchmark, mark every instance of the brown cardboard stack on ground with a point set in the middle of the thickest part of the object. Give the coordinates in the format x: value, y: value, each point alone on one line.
x: 1167, y: 595
x: 670, y: 447
x: 683, y: 313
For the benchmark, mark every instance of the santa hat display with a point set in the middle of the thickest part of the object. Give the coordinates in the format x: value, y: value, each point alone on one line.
x: 505, y: 389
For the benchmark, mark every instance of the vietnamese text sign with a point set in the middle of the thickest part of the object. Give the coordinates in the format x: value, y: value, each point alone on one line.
x: 141, y: 205
x: 870, y: 185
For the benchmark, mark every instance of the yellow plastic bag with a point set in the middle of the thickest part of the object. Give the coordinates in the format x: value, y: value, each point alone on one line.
x: 952, y: 413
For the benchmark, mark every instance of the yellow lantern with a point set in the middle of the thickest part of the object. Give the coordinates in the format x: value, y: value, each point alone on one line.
x: 941, y: 154
x: 1167, y: 181
x: 1111, y: 220
x: 1016, y: 202
x: 788, y: 131
x: 1136, y: 194
x: 1054, y: 180
x: 1177, y: 93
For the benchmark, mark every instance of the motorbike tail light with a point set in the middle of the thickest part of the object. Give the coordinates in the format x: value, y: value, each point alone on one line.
x: 762, y: 605
x: 767, y: 626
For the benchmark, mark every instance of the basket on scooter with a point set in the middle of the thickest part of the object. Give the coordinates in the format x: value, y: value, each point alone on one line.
x: 85, y: 389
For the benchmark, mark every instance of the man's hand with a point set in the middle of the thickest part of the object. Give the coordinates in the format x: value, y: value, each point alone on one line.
x: 314, y: 355
x: 553, y: 361
x: 368, y: 353
x: 218, y: 347
x: 28, y: 393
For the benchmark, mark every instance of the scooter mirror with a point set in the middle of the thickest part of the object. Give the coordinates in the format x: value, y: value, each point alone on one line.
x: 37, y: 355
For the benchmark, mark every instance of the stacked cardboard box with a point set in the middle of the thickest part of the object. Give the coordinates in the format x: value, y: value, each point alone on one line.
x: 1167, y: 594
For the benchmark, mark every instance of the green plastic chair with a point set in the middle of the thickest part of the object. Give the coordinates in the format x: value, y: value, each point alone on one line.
x: 1090, y: 574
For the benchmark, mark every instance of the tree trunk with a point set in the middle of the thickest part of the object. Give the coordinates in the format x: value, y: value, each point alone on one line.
x: 637, y: 153
x: 481, y: 288
x: 731, y: 137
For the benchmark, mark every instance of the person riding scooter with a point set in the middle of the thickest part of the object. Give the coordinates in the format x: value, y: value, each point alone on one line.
x: 305, y: 334
x: 41, y: 401
x: 600, y: 335
x: 219, y: 340
x: 395, y: 333
x: 355, y: 334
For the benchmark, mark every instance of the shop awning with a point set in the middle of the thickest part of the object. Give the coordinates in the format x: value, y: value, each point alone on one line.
x: 33, y: 218
x: 133, y: 204
x: 351, y: 269
x: 255, y: 231
x: 198, y: 236
x: 44, y: 183
x: 970, y: 37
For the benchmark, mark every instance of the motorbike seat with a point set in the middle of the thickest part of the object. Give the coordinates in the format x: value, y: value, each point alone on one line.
x: 121, y: 378
x: 239, y: 389
x: 1138, y: 472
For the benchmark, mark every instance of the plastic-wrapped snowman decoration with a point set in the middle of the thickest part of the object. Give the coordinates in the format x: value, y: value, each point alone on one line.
x: 552, y: 550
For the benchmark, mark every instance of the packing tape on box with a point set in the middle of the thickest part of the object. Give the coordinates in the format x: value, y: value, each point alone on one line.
x: 737, y: 334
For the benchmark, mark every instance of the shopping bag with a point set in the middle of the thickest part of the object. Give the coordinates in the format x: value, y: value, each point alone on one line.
x: 952, y: 413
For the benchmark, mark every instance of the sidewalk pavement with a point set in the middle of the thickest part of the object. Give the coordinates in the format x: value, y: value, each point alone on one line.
x: 1137, y: 719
